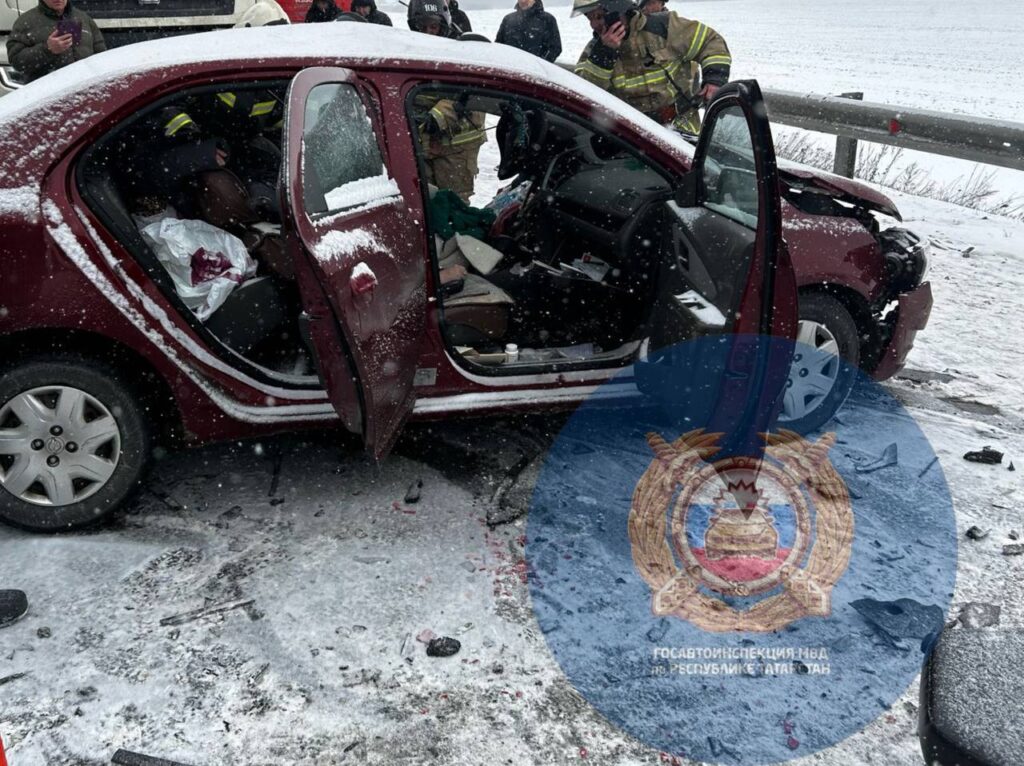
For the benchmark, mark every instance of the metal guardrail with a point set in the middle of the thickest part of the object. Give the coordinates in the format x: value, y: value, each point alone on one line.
x: 978, y: 139
x: 993, y: 142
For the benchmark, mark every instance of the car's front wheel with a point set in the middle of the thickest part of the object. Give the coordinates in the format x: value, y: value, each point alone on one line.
x: 73, y: 443
x: 824, y: 364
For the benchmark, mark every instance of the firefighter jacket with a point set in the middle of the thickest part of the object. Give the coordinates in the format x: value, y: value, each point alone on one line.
x: 652, y: 67
x: 26, y: 47
x: 450, y: 129
x: 451, y: 137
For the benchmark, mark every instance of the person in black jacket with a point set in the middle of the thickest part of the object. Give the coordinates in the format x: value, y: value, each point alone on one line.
x: 459, y: 18
x: 368, y: 10
x: 532, y: 29
x: 322, y: 10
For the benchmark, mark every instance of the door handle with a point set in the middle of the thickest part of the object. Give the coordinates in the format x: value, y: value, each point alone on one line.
x: 363, y: 280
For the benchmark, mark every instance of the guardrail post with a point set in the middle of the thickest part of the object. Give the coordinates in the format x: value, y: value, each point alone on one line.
x: 846, y: 148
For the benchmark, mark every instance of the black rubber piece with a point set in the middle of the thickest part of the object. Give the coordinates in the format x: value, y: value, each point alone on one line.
x: 13, y: 605
x: 128, y: 758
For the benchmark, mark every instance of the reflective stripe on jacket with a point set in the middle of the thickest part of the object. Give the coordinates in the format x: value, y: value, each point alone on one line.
x: 653, y: 64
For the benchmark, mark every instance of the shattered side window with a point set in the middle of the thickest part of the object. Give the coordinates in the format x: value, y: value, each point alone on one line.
x: 342, y: 164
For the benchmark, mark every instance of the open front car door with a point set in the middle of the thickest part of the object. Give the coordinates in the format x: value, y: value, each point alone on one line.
x: 358, y: 253
x: 727, y: 287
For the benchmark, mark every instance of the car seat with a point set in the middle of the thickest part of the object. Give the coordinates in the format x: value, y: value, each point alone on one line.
x: 478, y: 314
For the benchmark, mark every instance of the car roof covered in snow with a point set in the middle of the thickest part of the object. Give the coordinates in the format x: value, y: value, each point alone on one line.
x: 86, y: 82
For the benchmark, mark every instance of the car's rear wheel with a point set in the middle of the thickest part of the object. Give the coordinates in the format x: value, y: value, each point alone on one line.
x: 824, y: 364
x: 73, y: 443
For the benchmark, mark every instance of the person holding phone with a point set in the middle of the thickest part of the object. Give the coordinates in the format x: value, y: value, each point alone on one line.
x: 50, y: 36
x: 648, y: 60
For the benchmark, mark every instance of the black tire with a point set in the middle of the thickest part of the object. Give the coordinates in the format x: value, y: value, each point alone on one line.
x: 128, y: 451
x: 835, y: 319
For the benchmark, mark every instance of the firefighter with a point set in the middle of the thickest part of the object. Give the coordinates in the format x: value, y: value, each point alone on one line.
x: 250, y: 123
x: 646, y: 60
x: 450, y: 134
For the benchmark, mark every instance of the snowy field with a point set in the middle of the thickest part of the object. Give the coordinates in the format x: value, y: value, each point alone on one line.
x: 334, y: 575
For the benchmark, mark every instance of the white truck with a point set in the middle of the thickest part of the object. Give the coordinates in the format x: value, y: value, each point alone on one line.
x: 130, y: 21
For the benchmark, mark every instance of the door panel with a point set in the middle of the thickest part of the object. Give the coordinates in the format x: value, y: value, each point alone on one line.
x: 727, y: 286
x: 358, y: 254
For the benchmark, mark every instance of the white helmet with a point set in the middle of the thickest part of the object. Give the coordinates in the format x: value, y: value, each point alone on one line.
x: 263, y: 13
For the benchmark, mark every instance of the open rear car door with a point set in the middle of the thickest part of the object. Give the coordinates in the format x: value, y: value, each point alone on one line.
x: 728, y: 285
x: 358, y: 253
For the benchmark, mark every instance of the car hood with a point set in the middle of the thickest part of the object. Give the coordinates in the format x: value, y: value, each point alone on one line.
x: 845, y: 189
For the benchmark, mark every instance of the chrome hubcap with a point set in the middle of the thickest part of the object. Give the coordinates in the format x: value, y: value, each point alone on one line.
x: 814, y: 372
x: 58, y: 445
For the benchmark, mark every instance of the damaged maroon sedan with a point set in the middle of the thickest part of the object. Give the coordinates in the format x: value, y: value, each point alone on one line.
x: 314, y: 275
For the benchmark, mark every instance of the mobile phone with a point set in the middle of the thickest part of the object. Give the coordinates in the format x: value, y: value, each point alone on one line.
x: 70, y: 27
x: 610, y: 17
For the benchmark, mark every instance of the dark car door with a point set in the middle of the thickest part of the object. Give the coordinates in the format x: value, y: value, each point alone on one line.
x: 727, y: 294
x: 358, y: 253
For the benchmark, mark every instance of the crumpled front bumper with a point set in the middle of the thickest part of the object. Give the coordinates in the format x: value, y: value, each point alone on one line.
x: 914, y: 308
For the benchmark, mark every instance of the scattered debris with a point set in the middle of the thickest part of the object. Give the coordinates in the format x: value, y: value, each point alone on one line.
x: 412, y: 495
x: 1014, y: 534
x: 275, y: 477
x: 425, y: 636
x: 13, y: 606
x: 276, y: 500
x: 1013, y: 549
x: 195, y: 614
x: 718, y: 749
x: 966, y: 252
x: 977, y: 615
x: 497, y: 668
x: 359, y: 677
x: 889, y: 457
x: 256, y: 676
x: 128, y: 758
x: 901, y: 619
x: 370, y: 559
x: 977, y: 533
x: 655, y: 634
x: 44, y: 632
x: 408, y: 648
x: 987, y: 455
x: 1010, y: 467
x: 12, y: 677
x: 971, y: 407
x: 512, y: 497
x: 925, y: 376
x: 443, y: 647
x: 927, y: 468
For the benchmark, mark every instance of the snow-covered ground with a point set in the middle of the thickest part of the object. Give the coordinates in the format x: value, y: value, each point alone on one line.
x: 323, y: 666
